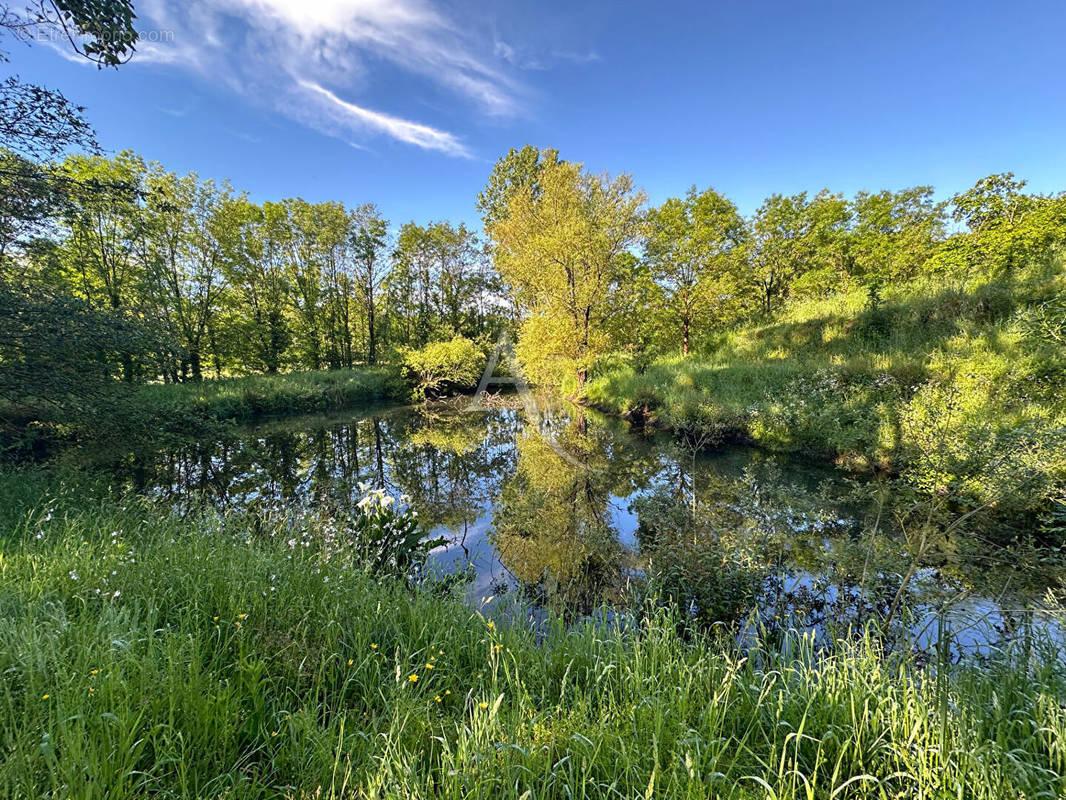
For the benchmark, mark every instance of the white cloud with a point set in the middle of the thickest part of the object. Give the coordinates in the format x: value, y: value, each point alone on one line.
x: 300, y: 57
x: 349, y: 115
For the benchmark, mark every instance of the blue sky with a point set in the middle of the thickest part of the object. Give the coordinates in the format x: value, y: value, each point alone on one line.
x: 407, y: 103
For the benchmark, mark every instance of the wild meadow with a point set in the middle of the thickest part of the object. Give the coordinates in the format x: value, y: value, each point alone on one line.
x: 261, y: 396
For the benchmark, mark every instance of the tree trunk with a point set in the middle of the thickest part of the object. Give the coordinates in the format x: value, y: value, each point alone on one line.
x: 372, y: 338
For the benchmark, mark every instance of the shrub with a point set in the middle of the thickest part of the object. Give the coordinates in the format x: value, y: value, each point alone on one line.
x: 442, y: 368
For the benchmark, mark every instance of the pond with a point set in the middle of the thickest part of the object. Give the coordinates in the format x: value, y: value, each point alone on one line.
x: 574, y: 511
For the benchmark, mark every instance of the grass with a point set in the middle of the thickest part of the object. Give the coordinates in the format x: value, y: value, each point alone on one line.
x: 145, y: 654
x: 140, y: 413
x: 258, y: 396
x: 963, y: 387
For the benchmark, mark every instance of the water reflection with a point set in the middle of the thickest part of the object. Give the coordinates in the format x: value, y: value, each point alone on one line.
x: 731, y: 535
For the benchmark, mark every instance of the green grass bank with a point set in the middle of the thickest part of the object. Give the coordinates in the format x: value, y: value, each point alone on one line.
x: 147, y: 655
x: 961, y: 386
x: 257, y: 396
x: 126, y: 413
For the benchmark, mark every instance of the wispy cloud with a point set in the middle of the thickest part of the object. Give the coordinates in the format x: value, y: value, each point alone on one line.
x: 530, y: 59
x: 311, y: 59
x: 349, y: 115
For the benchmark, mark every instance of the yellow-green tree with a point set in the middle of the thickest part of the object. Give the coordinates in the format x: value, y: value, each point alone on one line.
x: 562, y: 252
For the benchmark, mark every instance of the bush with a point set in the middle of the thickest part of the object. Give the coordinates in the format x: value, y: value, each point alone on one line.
x: 442, y: 368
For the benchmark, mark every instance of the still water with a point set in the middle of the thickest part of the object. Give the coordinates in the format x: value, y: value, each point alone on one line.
x: 572, y: 512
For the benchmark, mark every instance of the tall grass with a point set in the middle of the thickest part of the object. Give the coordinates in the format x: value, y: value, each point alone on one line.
x: 144, y: 654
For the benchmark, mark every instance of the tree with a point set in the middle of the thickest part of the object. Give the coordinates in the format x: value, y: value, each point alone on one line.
x: 58, y: 353
x: 254, y: 267
x: 442, y: 367
x: 369, y: 239
x: 1005, y: 228
x: 438, y: 281
x: 31, y: 198
x: 183, y: 240
x: 100, y: 30
x: 895, y: 233
x: 792, y: 238
x: 562, y: 253
x: 519, y: 169
x: 103, y: 230
x: 311, y: 235
x: 992, y: 202
x: 692, y: 248
x: 39, y: 123
x: 778, y: 246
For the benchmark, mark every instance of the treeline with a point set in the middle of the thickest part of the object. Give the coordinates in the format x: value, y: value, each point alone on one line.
x: 594, y: 272
x: 207, y: 282
x: 166, y: 277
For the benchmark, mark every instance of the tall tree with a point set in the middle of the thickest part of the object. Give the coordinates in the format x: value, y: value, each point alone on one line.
x: 795, y: 237
x: 895, y: 233
x: 369, y: 240
x: 183, y: 240
x: 40, y: 123
x: 562, y: 250
x: 104, y: 226
x: 255, y: 270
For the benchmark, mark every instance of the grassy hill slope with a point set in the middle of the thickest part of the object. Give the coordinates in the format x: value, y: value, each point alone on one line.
x: 962, y: 387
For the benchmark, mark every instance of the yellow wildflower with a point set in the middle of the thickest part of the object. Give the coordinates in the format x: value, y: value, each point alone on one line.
x: 45, y: 696
x: 491, y: 625
x: 437, y: 698
x: 429, y: 666
x: 242, y: 616
x: 373, y: 647
x: 412, y: 678
x: 351, y: 661
x: 482, y: 705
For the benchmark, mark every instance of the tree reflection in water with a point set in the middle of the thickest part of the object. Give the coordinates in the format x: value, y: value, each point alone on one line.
x: 731, y: 535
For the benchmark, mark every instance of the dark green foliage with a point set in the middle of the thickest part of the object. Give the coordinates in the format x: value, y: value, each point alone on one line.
x: 100, y: 30
x: 58, y: 360
x: 40, y: 123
